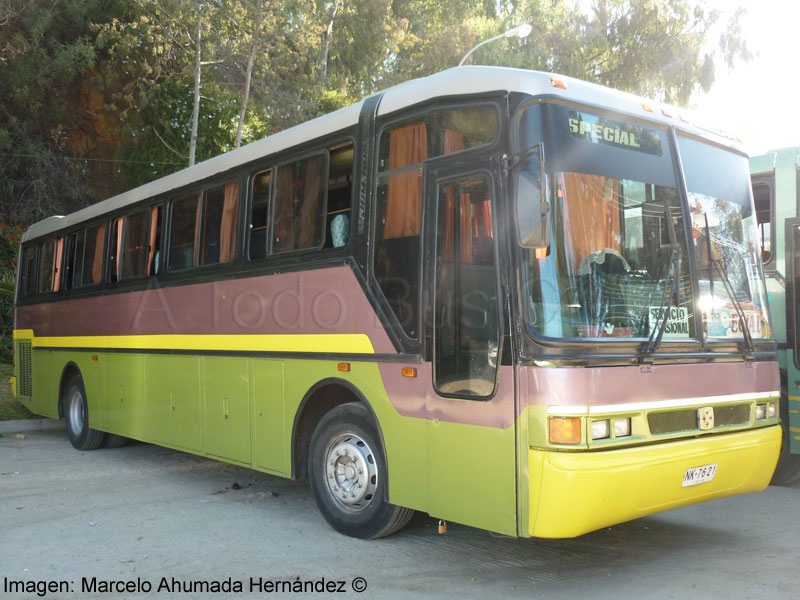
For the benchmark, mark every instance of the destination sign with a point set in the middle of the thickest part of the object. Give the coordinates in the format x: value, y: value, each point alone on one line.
x: 598, y: 129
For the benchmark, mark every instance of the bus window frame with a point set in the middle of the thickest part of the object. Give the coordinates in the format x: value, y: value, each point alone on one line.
x: 325, y: 153
x: 272, y: 164
x: 767, y: 179
x: 396, y: 119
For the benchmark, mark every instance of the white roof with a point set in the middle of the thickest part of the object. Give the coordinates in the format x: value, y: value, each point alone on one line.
x: 452, y: 82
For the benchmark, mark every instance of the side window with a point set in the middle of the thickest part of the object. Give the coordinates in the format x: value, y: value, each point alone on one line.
x: 403, y: 150
x: 340, y: 195
x: 299, y: 218
x: 258, y: 215
x: 90, y: 259
x: 27, y: 281
x: 185, y: 214
x: 218, y: 241
x: 135, y: 245
x: 762, y: 198
x: 46, y: 250
x: 76, y: 243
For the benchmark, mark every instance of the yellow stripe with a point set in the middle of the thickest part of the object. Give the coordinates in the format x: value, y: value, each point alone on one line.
x: 795, y: 429
x: 794, y: 398
x: 349, y: 343
x: 23, y: 334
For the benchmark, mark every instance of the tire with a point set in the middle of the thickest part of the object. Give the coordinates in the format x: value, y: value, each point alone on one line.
x: 76, y: 410
x: 348, y: 475
x: 788, y: 463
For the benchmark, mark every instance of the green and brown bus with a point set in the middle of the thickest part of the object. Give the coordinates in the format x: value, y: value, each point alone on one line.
x: 486, y: 295
x: 776, y: 193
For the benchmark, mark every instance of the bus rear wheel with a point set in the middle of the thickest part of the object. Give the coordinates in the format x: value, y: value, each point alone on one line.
x: 76, y: 410
x: 347, y: 471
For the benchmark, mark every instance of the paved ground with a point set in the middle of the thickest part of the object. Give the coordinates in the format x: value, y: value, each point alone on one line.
x: 150, y: 513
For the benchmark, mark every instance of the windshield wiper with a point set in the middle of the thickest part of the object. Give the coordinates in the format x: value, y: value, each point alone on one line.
x: 726, y: 282
x: 654, y: 341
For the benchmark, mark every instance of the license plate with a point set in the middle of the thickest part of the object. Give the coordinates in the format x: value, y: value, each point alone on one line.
x: 699, y: 475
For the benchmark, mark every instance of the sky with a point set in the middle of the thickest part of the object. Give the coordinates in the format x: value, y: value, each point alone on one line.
x: 760, y: 100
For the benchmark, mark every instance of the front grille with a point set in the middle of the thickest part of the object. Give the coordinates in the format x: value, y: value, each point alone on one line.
x: 25, y: 379
x: 678, y: 421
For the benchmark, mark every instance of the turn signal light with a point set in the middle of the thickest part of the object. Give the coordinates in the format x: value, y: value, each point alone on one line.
x: 565, y: 430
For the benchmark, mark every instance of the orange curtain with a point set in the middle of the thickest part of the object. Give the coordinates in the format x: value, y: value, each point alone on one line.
x: 97, y: 261
x: 153, y: 232
x: 407, y: 146
x: 118, y: 252
x: 227, y: 234
x: 592, y: 214
x: 310, y: 208
x: 58, y: 252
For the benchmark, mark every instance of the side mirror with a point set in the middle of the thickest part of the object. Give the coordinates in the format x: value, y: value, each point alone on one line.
x: 530, y: 200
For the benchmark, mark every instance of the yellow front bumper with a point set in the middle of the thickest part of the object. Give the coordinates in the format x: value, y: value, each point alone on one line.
x: 572, y: 493
x: 13, y: 382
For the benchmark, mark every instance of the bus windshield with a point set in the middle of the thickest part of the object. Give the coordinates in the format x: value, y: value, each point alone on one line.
x: 724, y: 226
x: 614, y: 268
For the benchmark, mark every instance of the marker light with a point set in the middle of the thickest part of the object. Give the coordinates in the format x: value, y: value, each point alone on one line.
x: 772, y: 411
x: 601, y: 429
x: 565, y: 430
x: 648, y: 107
x: 558, y: 83
x: 622, y: 427
x: 761, y: 411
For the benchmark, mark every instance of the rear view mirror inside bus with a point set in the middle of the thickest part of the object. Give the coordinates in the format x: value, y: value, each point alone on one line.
x: 530, y: 198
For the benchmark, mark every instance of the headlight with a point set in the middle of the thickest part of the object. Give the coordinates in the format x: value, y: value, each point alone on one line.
x: 772, y: 411
x: 601, y: 429
x: 761, y: 411
x: 622, y: 427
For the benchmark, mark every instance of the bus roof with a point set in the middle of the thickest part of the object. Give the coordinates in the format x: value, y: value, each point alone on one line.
x: 458, y: 81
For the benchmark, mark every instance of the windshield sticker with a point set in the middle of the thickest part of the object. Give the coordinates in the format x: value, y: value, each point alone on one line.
x: 677, y: 324
x: 602, y: 130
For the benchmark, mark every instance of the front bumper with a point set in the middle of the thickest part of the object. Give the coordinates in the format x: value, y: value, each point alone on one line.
x: 572, y: 493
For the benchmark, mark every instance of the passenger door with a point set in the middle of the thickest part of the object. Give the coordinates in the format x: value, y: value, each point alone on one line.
x: 470, y: 397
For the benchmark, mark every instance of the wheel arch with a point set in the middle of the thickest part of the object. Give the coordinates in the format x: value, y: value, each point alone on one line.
x: 321, y: 398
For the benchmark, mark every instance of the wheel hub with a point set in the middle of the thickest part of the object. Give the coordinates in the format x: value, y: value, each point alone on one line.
x: 75, y: 412
x: 352, y: 472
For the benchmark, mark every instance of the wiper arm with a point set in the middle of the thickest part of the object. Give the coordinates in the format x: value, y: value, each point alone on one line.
x: 726, y: 282
x: 654, y: 341
x: 748, y: 339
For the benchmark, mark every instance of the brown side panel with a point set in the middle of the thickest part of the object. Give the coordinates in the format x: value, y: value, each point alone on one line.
x: 309, y: 302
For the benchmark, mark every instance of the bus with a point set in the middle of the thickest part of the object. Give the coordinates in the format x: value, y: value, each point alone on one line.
x: 776, y: 193
x: 491, y: 295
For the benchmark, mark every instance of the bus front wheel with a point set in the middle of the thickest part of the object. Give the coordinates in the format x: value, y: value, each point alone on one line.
x: 347, y: 471
x: 76, y: 410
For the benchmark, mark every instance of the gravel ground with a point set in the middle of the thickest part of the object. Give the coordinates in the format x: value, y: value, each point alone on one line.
x: 149, y: 516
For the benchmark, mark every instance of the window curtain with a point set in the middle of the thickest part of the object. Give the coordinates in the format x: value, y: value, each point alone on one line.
x: 407, y: 146
x: 227, y: 236
x: 310, y: 209
x: 58, y: 253
x: 454, y: 142
x: 591, y: 213
x: 118, y: 254
x: 153, y: 232
x: 198, y: 223
x: 97, y: 261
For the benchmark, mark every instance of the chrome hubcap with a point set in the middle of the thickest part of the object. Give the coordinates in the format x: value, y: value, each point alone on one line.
x: 352, y: 472
x: 75, y: 412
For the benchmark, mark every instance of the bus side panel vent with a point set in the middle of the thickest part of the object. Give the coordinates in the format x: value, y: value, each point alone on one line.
x: 25, y: 381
